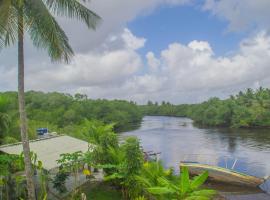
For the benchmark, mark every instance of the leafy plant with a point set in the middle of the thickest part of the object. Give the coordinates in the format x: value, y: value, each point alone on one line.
x: 184, y: 188
x: 71, y: 162
x: 59, y: 181
x: 127, y: 162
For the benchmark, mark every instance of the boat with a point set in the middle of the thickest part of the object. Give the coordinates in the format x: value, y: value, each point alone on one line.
x: 223, y: 175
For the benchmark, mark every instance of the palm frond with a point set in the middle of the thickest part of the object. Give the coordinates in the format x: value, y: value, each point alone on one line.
x: 45, y: 31
x: 8, y: 24
x: 74, y: 9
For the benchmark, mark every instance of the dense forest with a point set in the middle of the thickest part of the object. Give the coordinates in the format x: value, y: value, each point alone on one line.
x: 244, y: 110
x: 63, y: 113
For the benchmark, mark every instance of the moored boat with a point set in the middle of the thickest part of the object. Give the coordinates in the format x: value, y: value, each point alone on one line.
x: 224, y: 175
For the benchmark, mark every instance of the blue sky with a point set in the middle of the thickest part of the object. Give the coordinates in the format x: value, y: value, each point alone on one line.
x: 183, y: 24
x: 182, y: 51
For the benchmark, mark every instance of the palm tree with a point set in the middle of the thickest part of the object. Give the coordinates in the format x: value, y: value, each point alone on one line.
x: 35, y: 17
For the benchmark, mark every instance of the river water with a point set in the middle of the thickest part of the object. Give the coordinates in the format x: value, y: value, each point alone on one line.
x: 178, y: 139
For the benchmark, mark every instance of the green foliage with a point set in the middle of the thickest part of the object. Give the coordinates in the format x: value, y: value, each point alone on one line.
x: 105, y: 141
x: 12, y: 184
x: 69, y: 163
x: 41, y: 25
x: 4, y: 118
x: 246, y: 109
x: 133, y: 156
x: 66, y: 114
x: 126, y: 163
x: 140, y: 198
x: 59, y: 181
x: 43, y: 180
x: 181, y: 188
x: 101, y: 191
x: 9, y: 140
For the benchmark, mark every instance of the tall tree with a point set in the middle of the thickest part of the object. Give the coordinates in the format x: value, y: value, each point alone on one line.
x: 36, y: 18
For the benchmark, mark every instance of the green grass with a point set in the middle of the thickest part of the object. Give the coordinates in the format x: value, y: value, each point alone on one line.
x: 101, y: 191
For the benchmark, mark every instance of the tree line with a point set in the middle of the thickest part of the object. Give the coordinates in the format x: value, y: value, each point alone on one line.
x: 67, y: 114
x: 63, y: 113
x: 247, y: 109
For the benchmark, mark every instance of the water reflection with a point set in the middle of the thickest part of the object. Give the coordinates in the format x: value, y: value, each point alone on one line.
x: 178, y: 139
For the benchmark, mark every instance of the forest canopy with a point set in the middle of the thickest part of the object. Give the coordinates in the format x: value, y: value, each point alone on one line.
x: 246, y: 109
x: 67, y: 114
x: 64, y: 113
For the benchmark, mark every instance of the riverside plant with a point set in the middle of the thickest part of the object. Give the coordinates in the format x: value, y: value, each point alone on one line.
x: 165, y: 186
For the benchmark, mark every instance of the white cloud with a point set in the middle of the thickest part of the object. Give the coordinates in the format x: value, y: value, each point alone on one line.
x: 152, y: 61
x: 195, y: 70
x: 107, y: 67
x: 240, y: 14
x: 107, y: 64
x: 131, y: 41
x: 191, y: 73
x: 200, y: 46
x: 182, y: 73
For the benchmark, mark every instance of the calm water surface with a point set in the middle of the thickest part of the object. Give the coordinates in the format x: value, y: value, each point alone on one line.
x: 178, y: 139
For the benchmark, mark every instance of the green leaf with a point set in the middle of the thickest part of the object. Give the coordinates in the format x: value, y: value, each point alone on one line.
x: 204, y: 193
x: 8, y: 24
x: 184, y: 180
x: 196, y: 198
x: 199, y: 180
x: 74, y: 9
x: 40, y: 165
x: 143, y: 181
x: 160, y: 190
x: 113, y: 176
x: 45, y: 31
x: 166, y: 183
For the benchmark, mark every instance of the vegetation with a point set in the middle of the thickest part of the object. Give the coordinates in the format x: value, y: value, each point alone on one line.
x: 4, y: 118
x: 76, y: 115
x: 126, y: 173
x: 125, y: 168
x: 13, y: 182
x: 35, y: 17
x: 180, y: 187
x: 101, y: 191
x: 244, y: 110
x: 66, y: 114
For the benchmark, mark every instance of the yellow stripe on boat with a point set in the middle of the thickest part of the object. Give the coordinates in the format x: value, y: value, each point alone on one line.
x: 224, y: 175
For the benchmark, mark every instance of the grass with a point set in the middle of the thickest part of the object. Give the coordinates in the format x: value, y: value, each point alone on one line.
x: 101, y: 191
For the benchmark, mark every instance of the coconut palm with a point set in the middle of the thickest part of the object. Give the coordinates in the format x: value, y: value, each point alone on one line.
x: 36, y: 18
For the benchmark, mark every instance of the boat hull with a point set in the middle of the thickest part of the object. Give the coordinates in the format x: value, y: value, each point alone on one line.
x: 223, y: 175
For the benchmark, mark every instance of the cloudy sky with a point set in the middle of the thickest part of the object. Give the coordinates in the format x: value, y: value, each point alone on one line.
x: 182, y: 51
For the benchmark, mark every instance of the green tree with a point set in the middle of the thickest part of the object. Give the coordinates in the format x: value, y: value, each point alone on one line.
x: 34, y: 16
x: 126, y: 163
x: 4, y: 118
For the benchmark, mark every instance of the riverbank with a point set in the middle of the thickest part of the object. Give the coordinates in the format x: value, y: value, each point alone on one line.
x: 212, y: 145
x: 247, y: 109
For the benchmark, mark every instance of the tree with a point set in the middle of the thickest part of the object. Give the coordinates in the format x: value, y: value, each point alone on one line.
x: 4, y: 118
x: 34, y: 16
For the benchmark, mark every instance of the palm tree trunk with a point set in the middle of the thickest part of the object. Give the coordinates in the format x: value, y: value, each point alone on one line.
x: 23, y: 125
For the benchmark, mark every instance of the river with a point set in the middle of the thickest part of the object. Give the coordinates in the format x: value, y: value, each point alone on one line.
x: 178, y: 139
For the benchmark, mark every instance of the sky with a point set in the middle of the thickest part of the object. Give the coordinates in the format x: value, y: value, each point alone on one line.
x: 181, y: 51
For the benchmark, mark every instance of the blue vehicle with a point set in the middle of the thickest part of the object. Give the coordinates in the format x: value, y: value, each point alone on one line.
x: 42, y: 131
